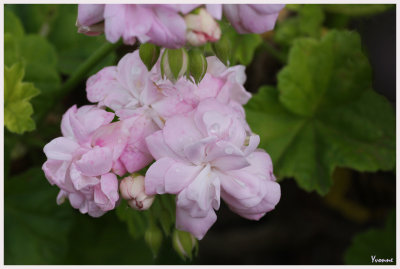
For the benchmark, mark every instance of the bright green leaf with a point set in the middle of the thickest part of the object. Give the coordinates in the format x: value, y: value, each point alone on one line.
x: 40, y: 60
x: 377, y: 243
x: 35, y: 227
x: 17, y: 108
x: 324, y: 114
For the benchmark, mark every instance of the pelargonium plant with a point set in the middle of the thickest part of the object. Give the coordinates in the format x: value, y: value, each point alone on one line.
x: 168, y: 119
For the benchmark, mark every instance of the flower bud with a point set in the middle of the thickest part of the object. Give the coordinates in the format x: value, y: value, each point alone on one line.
x: 222, y: 49
x: 201, y: 28
x: 92, y: 30
x: 197, y: 65
x: 153, y: 237
x: 132, y: 190
x: 149, y: 54
x: 174, y: 63
x: 184, y: 243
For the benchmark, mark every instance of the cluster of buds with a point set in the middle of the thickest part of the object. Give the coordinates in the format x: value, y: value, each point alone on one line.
x: 175, y: 63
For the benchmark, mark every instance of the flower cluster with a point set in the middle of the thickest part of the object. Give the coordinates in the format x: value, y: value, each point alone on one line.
x: 194, y: 136
x: 203, y: 148
x: 170, y: 25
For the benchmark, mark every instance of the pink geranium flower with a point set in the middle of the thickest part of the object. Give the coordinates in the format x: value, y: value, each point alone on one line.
x: 80, y: 162
x: 206, y: 154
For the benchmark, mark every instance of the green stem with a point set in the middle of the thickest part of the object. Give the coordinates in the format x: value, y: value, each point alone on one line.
x: 83, y: 70
x: 281, y: 57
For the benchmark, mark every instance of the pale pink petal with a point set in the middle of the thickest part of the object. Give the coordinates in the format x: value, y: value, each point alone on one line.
x: 215, y: 10
x: 89, y: 14
x: 114, y: 22
x: 197, y: 152
x: 106, y: 193
x: 57, y: 173
x: 60, y: 148
x: 201, y: 194
x: 114, y: 135
x: 81, y: 181
x: 134, y: 159
x: 95, y: 162
x: 180, y: 131
x: 196, y: 226
x: 93, y: 210
x: 179, y: 176
x: 76, y: 200
x: 66, y: 128
x: 157, y: 146
x: 155, y: 176
x: 99, y: 85
x: 168, y: 28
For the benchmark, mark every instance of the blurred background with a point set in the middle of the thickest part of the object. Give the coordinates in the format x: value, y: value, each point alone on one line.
x: 355, y: 220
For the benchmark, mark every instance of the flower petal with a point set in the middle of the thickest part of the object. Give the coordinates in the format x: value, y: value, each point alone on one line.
x: 95, y: 162
x: 196, y: 226
x: 60, y: 148
x: 155, y: 176
x: 180, y: 131
x: 179, y: 175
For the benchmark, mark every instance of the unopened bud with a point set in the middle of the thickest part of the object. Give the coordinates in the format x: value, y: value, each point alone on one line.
x: 197, y: 65
x: 153, y: 237
x: 149, y: 54
x: 91, y: 30
x: 184, y: 243
x: 174, y: 63
x: 201, y: 28
x: 222, y: 49
x: 132, y: 190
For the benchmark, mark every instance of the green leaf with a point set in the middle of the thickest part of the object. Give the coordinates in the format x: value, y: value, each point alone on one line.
x: 72, y: 47
x: 378, y: 243
x: 321, y: 75
x: 137, y: 221
x: 357, y: 9
x: 324, y: 114
x: 40, y: 61
x: 233, y: 48
x: 37, y: 18
x: 17, y: 108
x: 246, y: 45
x: 35, y: 228
x: 12, y: 24
x: 307, y: 23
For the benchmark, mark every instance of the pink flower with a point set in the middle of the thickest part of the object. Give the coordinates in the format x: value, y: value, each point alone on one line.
x: 158, y: 24
x: 200, y: 156
x: 80, y: 161
x: 130, y: 89
x: 252, y: 18
x: 201, y: 28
